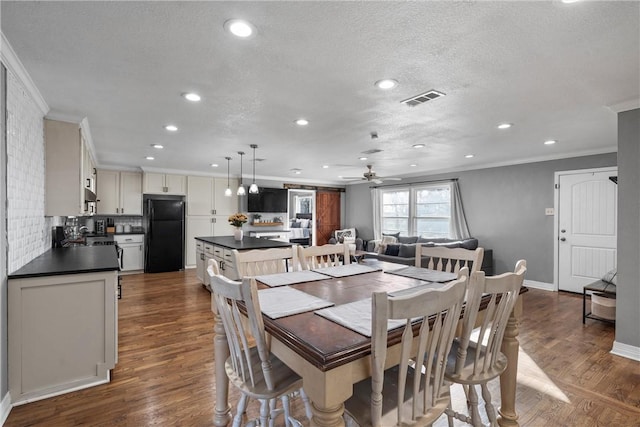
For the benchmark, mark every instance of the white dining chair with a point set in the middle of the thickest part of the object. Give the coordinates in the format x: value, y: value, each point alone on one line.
x: 449, y: 259
x: 265, y: 261
x: 330, y: 255
x: 475, y: 357
x: 251, y: 367
x: 403, y: 395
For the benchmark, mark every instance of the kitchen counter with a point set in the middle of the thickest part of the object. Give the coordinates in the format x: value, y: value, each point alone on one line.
x: 72, y: 260
x: 246, y: 243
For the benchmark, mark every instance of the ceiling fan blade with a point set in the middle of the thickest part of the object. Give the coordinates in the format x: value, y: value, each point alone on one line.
x: 353, y: 178
x: 390, y: 179
x: 377, y: 180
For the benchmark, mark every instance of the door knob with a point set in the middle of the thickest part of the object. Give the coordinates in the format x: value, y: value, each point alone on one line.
x: 563, y: 231
x: 562, y: 239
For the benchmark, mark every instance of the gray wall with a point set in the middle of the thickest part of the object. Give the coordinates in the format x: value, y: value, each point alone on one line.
x: 4, y: 384
x: 628, y: 301
x: 504, y: 207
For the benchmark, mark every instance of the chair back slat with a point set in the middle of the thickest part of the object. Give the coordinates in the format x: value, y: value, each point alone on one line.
x: 439, y: 311
x: 503, y: 290
x: 449, y: 259
x: 324, y: 256
x: 265, y: 261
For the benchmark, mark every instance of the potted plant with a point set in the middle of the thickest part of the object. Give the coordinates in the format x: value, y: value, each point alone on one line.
x: 256, y: 217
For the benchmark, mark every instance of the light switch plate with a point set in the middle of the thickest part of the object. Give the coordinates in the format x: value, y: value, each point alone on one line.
x: 549, y: 211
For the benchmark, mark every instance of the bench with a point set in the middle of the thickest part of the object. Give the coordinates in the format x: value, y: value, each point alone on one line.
x: 607, y: 290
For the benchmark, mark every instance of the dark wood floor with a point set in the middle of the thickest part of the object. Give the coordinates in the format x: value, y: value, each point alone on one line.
x: 165, y: 373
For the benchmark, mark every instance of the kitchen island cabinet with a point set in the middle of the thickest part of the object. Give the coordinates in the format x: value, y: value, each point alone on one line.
x: 63, y: 322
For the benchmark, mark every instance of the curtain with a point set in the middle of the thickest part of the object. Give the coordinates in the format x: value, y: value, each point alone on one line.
x: 459, y: 226
x: 377, y: 221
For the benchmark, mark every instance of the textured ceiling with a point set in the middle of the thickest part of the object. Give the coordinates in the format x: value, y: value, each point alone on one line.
x: 550, y: 68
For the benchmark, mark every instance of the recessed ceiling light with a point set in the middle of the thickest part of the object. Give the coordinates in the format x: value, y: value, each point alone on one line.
x: 214, y: 165
x: 239, y: 28
x: 468, y: 156
x: 386, y: 84
x: 362, y: 158
x: 325, y: 166
x: 149, y: 157
x: 194, y: 97
x: 550, y: 142
x: 504, y: 125
x: 171, y: 128
x: 157, y: 146
x: 418, y: 145
x: 413, y: 165
x: 302, y: 122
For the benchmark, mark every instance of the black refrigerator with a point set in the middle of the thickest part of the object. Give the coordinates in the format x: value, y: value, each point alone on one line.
x: 164, y: 233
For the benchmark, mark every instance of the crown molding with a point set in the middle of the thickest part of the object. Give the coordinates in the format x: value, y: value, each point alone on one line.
x: 13, y: 63
x: 620, y: 107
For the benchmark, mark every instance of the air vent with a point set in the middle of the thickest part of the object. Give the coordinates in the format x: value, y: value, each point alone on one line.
x: 422, y: 98
x: 372, y: 151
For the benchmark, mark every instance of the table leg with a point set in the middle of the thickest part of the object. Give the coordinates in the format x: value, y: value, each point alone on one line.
x: 508, y: 379
x: 222, y: 413
x: 327, y: 417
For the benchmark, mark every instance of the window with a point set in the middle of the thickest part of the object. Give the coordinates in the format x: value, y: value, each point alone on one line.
x: 423, y: 211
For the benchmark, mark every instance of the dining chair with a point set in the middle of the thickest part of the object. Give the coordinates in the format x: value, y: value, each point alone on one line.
x: 252, y: 369
x: 403, y: 395
x: 449, y: 259
x: 475, y: 357
x: 265, y: 261
x: 324, y: 256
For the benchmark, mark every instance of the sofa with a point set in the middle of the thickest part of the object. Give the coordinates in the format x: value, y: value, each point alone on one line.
x: 402, y: 249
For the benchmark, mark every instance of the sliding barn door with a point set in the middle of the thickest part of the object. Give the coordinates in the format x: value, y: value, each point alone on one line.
x: 327, y: 215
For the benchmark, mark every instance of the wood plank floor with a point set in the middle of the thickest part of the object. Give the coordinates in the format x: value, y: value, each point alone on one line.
x: 165, y: 373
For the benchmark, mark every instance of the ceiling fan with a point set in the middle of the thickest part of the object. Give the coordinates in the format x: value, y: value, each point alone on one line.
x: 371, y: 176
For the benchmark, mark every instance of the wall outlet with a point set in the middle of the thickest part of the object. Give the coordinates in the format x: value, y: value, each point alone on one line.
x: 549, y: 211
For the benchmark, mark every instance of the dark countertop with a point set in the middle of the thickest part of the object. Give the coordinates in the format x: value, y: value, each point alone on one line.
x: 245, y: 244
x: 72, y: 260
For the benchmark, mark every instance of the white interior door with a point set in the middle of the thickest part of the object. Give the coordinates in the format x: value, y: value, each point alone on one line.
x: 587, y: 227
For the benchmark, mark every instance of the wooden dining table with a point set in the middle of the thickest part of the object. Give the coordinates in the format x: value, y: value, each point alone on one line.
x: 331, y: 358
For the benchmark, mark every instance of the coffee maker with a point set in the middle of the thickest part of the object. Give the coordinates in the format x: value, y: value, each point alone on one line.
x: 101, y: 226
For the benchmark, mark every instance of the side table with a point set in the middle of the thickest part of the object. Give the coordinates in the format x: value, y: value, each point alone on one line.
x: 599, y: 286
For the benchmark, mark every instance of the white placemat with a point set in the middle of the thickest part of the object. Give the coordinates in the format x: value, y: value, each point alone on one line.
x: 286, y: 301
x: 424, y: 274
x: 355, y: 316
x: 282, y: 279
x: 418, y: 287
x: 346, y: 270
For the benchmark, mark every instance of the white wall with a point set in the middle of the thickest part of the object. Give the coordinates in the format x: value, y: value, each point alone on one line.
x: 27, y: 230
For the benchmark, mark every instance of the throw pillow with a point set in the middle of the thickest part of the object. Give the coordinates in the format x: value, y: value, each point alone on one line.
x: 392, y: 250
x: 346, y: 235
x: 396, y: 235
x: 611, y: 276
x: 410, y: 239
x: 304, y: 223
x: 407, y: 251
x: 295, y: 224
x: 386, y: 240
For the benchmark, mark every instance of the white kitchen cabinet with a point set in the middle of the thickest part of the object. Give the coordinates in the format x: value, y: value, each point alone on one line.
x: 68, y: 168
x: 132, y: 251
x: 119, y: 192
x: 205, y: 196
x: 204, y: 226
x: 160, y: 183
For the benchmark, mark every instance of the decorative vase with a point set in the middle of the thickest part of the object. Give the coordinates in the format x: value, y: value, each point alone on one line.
x: 238, y: 234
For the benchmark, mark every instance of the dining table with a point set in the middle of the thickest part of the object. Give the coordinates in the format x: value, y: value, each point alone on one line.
x: 331, y: 357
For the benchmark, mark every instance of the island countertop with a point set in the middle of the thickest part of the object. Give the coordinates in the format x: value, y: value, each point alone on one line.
x: 246, y: 243
x: 72, y: 260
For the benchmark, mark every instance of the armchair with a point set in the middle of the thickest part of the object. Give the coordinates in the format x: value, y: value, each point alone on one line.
x: 349, y: 236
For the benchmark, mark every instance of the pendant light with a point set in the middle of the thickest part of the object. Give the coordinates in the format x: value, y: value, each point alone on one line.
x: 253, y: 189
x: 228, y: 191
x: 241, y: 190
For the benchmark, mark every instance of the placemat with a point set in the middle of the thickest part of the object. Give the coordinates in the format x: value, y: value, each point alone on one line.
x: 282, y: 279
x: 346, y: 270
x: 355, y: 316
x: 424, y: 274
x: 286, y: 301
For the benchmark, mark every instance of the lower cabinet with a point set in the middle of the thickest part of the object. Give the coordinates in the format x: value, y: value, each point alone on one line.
x: 223, y: 258
x: 63, y: 332
x: 204, y: 226
x: 132, y: 251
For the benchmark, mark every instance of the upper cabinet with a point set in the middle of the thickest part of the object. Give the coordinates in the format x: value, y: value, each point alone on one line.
x: 160, y: 183
x: 205, y: 196
x: 119, y: 192
x: 70, y: 183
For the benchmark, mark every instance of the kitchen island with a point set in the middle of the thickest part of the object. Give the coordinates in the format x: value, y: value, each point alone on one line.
x: 220, y: 249
x: 63, y: 322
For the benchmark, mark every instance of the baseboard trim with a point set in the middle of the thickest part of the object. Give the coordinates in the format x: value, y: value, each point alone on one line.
x: 5, y: 408
x: 539, y: 285
x: 626, y: 350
